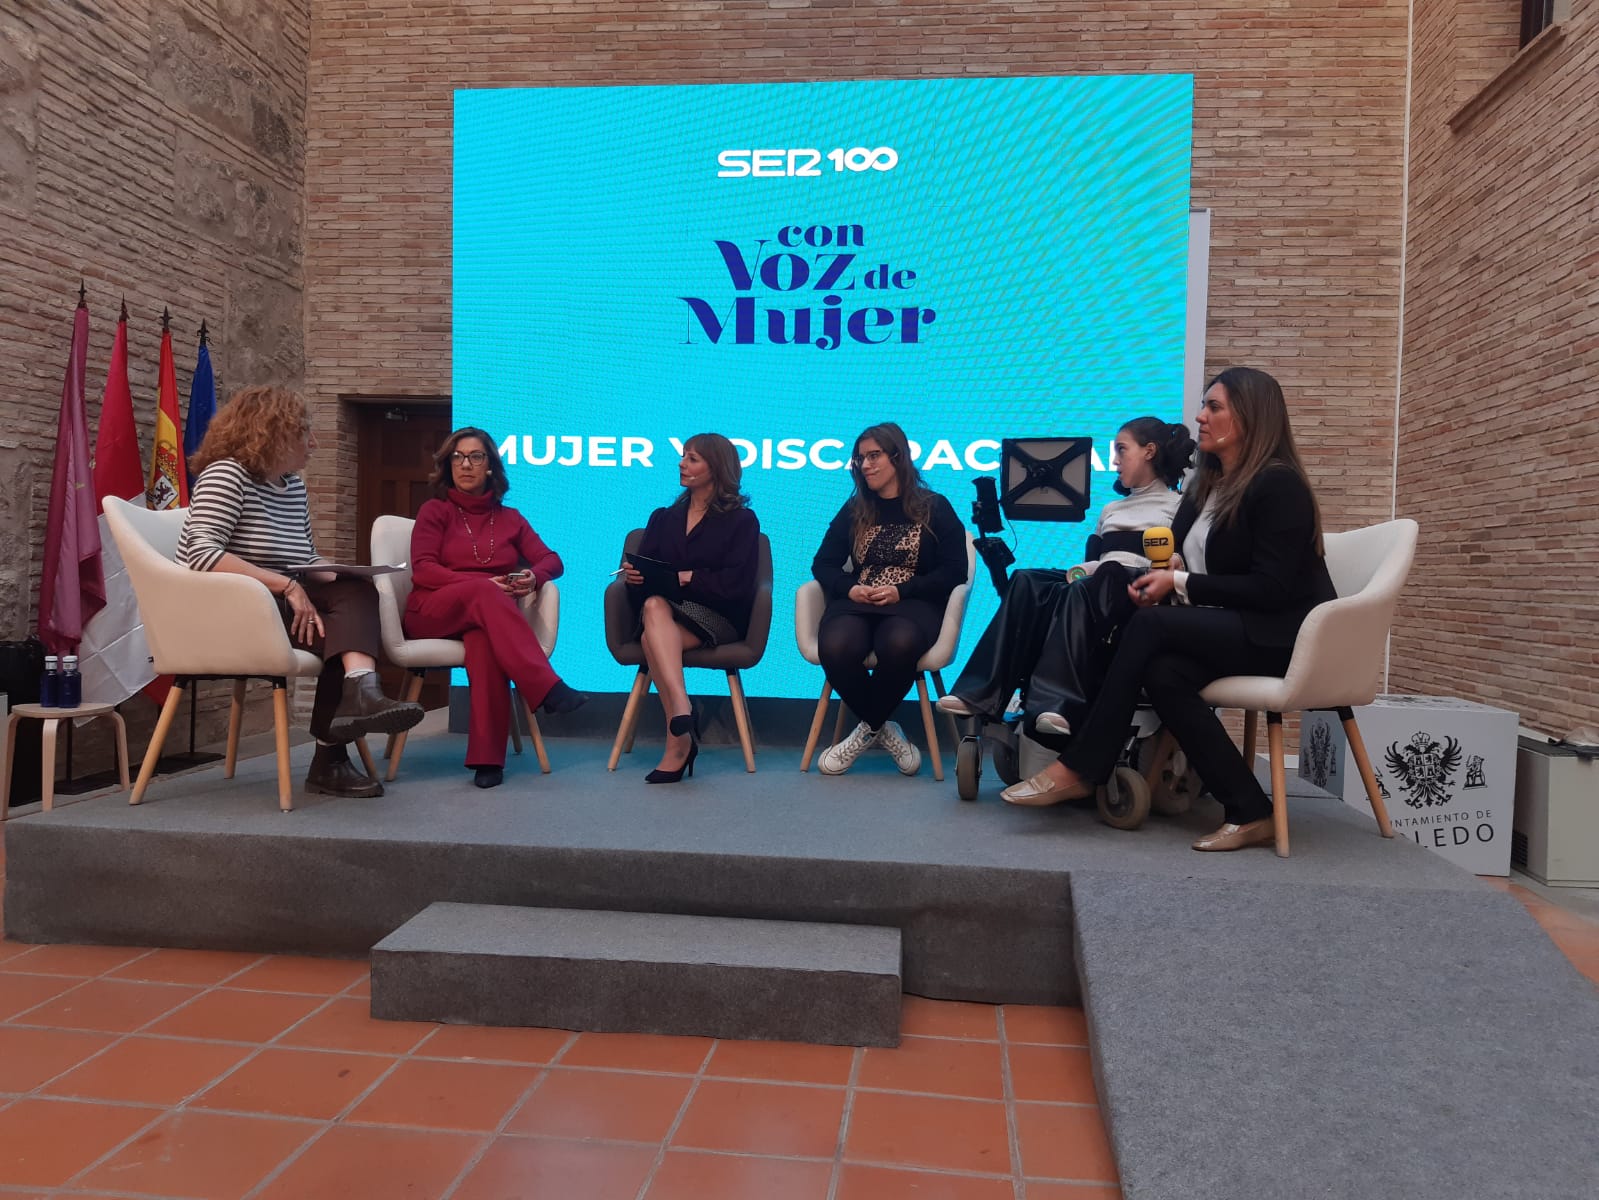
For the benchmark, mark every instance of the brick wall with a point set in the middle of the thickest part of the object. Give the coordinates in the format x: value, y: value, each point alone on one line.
x: 1298, y: 150
x: 155, y: 149
x: 1499, y: 421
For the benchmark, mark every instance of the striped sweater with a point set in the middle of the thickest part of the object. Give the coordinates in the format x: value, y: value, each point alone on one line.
x: 267, y: 524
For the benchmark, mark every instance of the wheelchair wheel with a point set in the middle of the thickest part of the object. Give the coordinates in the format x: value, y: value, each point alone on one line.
x: 968, y: 767
x: 1124, y: 799
x: 1176, y: 789
x: 1003, y: 754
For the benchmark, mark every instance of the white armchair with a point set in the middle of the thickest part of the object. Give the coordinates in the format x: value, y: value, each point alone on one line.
x: 810, y: 603
x: 1337, y: 660
x: 207, y: 625
x: 391, y: 543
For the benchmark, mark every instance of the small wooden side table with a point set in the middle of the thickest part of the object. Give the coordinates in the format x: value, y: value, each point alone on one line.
x: 52, y: 718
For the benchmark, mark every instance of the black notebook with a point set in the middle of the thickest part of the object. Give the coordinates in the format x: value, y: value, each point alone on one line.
x: 660, y: 578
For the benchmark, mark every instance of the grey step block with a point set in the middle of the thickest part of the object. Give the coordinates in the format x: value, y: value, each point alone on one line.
x: 627, y: 972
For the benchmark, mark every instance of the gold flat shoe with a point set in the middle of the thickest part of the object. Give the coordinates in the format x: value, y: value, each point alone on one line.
x: 1238, y: 837
x: 1041, y: 791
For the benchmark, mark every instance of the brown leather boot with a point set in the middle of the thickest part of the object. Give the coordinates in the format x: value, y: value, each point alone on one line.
x: 364, y: 710
x: 333, y: 774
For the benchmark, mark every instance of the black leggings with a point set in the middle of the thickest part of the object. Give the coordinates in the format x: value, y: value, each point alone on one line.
x: 1170, y: 654
x: 844, y: 642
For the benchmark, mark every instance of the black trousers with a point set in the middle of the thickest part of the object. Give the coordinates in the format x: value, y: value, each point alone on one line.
x: 1170, y: 654
x: 847, y: 638
x: 349, y: 608
x: 1049, y: 638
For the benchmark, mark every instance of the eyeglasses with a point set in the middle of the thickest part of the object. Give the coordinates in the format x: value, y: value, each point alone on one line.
x: 476, y: 458
x: 870, y: 458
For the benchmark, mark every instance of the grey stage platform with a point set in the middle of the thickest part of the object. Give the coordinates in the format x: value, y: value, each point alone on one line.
x: 1341, y: 1023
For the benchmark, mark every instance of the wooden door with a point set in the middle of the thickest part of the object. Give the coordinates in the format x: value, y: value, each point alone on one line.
x: 395, y: 445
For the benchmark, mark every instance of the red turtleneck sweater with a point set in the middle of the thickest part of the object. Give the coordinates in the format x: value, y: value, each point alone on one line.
x: 462, y: 536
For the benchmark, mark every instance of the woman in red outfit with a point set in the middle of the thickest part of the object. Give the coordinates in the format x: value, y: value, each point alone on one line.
x: 472, y: 561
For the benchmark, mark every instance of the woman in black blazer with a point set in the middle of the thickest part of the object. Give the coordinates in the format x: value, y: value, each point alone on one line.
x: 710, y: 536
x: 1249, y: 571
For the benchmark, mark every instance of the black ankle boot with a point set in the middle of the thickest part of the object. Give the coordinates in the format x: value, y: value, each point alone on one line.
x: 364, y: 710
x: 563, y: 699
x: 333, y: 774
x: 487, y: 777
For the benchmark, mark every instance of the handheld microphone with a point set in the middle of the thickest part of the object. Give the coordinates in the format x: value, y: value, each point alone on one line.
x: 1158, y: 547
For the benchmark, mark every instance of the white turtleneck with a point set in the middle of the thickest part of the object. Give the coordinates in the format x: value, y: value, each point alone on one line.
x: 1147, y: 507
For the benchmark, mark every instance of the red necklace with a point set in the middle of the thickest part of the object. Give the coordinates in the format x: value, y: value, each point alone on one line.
x: 481, y: 561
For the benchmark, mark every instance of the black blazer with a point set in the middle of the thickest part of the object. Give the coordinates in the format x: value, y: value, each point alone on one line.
x: 1264, y: 562
x: 723, y: 552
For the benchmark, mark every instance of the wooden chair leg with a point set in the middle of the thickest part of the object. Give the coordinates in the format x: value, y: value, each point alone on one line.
x: 280, y: 727
x: 47, y: 763
x: 517, y: 702
x: 1164, y: 745
x: 815, y: 734
x: 122, y: 747
x: 1279, y: 784
x: 396, y: 741
x: 152, y: 752
x: 1251, y: 730
x: 537, y: 735
x: 930, y: 727
x: 11, y: 759
x: 954, y: 725
x: 1357, y: 747
x: 741, y: 717
x: 624, y: 731
x: 235, y: 722
x: 365, y: 752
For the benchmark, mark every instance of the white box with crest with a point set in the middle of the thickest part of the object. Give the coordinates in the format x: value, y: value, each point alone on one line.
x: 1446, y: 769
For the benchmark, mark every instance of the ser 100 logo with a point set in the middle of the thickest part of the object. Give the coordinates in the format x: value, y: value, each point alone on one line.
x: 735, y: 164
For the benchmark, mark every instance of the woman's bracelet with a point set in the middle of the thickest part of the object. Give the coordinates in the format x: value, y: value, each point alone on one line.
x: 292, y: 583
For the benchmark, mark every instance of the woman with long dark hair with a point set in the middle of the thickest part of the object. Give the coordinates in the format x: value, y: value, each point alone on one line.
x: 710, y: 536
x: 473, y: 560
x: 888, y: 562
x: 1251, y: 568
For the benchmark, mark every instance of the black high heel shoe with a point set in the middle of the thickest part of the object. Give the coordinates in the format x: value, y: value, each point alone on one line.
x: 688, y: 725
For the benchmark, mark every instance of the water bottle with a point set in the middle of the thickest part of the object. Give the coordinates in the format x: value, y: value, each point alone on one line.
x: 50, y: 683
x: 70, y: 694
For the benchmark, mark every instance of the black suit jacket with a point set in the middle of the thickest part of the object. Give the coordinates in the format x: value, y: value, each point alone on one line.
x: 1264, y: 563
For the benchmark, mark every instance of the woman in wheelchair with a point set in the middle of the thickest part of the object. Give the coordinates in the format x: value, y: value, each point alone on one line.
x: 703, y: 550
x: 249, y: 516
x: 887, y: 564
x: 473, y: 559
x: 1049, y: 634
x: 1251, y: 568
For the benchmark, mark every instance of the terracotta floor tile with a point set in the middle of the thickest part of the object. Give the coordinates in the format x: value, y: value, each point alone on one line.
x: 1052, y: 1073
x: 18, y: 993
x: 111, y: 1005
x: 144, y: 1070
x: 354, y: 1161
x: 613, y: 1105
x: 201, y: 1154
x: 47, y: 1142
x: 929, y: 1131
x: 236, y: 1016
x: 347, y: 1024
x: 296, y: 1083
x: 488, y: 1044
x: 936, y: 1065
x: 882, y: 1183
x: 1552, y: 917
x: 1575, y: 943
x: 762, y: 1118
x: 1047, y: 1026
x: 28, y: 1057
x: 1064, y: 1142
x: 686, y: 1175
x: 1070, y: 1191
x: 202, y: 967
x: 949, y: 1018
x: 638, y: 1052
x: 316, y: 976
x: 361, y: 988
x: 782, y: 1062
x: 10, y: 950
x: 537, y: 1169
x: 446, y: 1095
x: 81, y: 961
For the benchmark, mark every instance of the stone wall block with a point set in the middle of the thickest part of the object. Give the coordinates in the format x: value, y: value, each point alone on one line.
x: 229, y: 201
x: 19, y: 103
x: 264, y: 335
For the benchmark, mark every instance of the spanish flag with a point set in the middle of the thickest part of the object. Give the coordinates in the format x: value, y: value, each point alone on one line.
x: 168, y: 483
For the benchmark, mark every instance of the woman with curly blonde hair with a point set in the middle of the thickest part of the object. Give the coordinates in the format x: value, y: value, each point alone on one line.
x: 248, y: 515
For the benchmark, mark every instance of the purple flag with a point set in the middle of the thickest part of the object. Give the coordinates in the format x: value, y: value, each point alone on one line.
x: 73, y: 587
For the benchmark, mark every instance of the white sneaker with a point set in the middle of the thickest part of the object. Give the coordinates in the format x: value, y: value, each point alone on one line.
x: 906, y: 756
x: 840, y: 758
x: 954, y: 705
x: 1053, y: 722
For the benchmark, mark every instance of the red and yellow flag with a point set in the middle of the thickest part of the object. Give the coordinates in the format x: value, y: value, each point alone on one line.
x: 168, y: 482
